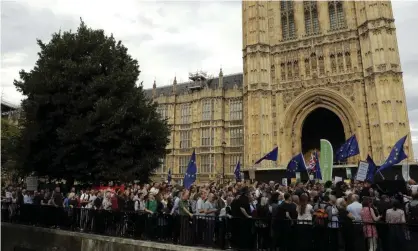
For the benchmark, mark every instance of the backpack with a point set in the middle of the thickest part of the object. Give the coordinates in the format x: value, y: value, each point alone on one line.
x: 321, y: 216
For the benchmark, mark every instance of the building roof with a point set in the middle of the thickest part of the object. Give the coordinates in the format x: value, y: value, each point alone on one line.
x: 182, y: 88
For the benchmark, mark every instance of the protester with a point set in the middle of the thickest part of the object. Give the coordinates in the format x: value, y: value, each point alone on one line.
x: 240, y: 215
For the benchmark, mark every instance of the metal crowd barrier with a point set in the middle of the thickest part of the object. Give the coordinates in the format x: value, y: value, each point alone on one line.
x: 219, y: 232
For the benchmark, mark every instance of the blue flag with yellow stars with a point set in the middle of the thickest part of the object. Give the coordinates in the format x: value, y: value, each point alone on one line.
x: 372, y: 169
x: 270, y: 156
x: 237, y: 172
x: 296, y: 164
x: 190, y: 176
x: 396, y: 155
x: 169, y: 176
x: 348, y: 149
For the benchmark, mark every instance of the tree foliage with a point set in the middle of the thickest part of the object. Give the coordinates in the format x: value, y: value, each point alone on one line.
x: 9, y: 139
x: 84, y: 117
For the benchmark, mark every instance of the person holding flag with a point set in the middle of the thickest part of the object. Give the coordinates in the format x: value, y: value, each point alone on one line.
x: 237, y: 172
x: 190, y: 175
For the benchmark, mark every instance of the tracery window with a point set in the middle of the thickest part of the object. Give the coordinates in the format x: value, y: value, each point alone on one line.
x: 233, y: 161
x: 333, y: 64
x: 289, y: 70
x: 296, y: 68
x: 207, y: 109
x: 348, y: 61
x: 307, y: 67
x: 336, y: 15
x: 183, y: 163
x: 206, y: 163
x: 235, y: 110
x: 288, y: 20
x: 186, y: 113
x: 185, y: 139
x: 314, y: 62
x: 283, y: 71
x: 340, y: 62
x: 207, y: 136
x: 311, y: 17
x: 321, y: 65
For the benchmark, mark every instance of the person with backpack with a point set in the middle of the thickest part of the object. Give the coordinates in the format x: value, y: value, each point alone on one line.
x: 412, y: 215
x: 320, y: 220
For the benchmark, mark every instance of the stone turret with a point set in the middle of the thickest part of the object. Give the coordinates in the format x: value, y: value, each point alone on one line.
x: 154, y: 89
x: 174, y: 85
x: 221, y: 79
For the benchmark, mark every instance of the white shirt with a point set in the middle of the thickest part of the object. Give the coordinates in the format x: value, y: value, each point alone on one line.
x: 414, y: 189
x: 154, y: 191
x: 306, y: 216
x: 27, y: 199
x: 199, y: 206
x: 355, y: 210
x: 91, y: 201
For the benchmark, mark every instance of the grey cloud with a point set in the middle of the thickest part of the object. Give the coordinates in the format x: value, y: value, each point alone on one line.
x: 21, y: 25
x: 136, y: 39
x: 145, y: 21
x: 412, y: 102
x: 182, y: 55
x: 173, y: 30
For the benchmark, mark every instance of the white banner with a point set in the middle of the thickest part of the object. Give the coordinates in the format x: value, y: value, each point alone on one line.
x: 363, y: 167
x: 405, y: 171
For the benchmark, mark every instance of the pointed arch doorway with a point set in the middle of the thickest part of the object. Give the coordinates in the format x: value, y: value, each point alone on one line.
x: 321, y: 123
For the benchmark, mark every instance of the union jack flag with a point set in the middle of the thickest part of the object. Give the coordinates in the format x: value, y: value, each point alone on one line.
x: 312, y: 163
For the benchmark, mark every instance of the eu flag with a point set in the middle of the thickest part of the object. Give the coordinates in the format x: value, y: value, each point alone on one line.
x: 318, y: 174
x: 190, y: 176
x: 396, y: 155
x: 296, y: 164
x: 348, y: 149
x: 270, y: 156
x: 237, y: 172
x: 169, y: 176
x: 372, y: 169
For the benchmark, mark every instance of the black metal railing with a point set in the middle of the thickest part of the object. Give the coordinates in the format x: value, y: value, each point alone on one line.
x: 220, y: 232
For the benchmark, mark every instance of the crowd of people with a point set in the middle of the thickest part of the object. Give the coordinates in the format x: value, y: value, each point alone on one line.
x: 244, y: 215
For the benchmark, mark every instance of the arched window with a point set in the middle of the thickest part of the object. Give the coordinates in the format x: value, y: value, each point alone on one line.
x: 283, y: 71
x: 289, y: 70
x: 314, y: 62
x: 311, y: 17
x: 340, y: 62
x: 296, y: 68
x: 347, y: 57
x: 307, y: 68
x: 321, y: 65
x: 333, y: 64
x: 288, y: 20
x: 336, y: 15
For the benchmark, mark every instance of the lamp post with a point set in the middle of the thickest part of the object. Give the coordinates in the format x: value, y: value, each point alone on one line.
x: 223, y: 161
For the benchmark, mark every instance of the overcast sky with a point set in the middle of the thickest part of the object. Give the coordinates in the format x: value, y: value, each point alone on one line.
x: 167, y: 37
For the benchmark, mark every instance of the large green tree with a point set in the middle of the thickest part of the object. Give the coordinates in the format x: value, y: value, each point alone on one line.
x: 9, y: 140
x: 84, y: 117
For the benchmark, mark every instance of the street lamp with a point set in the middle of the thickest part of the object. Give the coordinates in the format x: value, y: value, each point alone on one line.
x: 223, y: 161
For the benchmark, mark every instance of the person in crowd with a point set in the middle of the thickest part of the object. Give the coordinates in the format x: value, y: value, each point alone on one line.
x: 369, y: 218
x: 239, y: 215
x: 397, y: 232
x: 355, y: 207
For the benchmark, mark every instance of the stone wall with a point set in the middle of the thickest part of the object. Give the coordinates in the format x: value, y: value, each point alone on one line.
x: 27, y: 238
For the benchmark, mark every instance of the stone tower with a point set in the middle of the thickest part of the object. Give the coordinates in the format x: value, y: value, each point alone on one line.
x: 321, y: 70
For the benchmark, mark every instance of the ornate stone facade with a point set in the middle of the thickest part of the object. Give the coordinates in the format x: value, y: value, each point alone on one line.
x: 298, y: 56
x: 338, y: 55
x: 206, y: 116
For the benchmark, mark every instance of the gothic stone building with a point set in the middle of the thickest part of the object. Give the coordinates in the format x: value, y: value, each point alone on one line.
x: 311, y: 70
